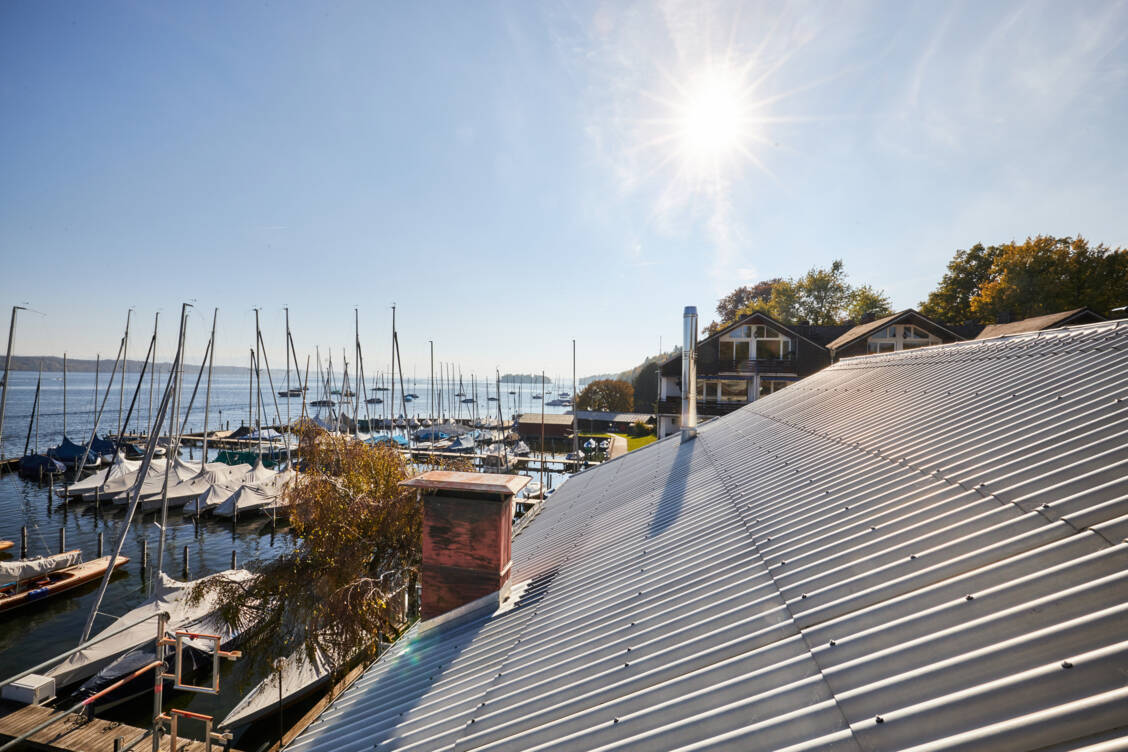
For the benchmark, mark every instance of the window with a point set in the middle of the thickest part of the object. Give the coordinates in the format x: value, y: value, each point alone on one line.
x: 734, y: 391
x: 726, y: 351
x: 771, y: 386
x: 741, y: 351
x: 897, y: 338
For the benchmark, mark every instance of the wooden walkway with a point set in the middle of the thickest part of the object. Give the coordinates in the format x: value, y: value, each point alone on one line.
x: 73, y: 733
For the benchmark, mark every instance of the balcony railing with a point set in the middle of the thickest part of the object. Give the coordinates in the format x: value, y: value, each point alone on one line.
x: 757, y: 365
x: 672, y: 406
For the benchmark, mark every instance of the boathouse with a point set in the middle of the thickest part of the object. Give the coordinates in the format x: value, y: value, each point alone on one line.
x: 921, y: 549
x: 555, y: 426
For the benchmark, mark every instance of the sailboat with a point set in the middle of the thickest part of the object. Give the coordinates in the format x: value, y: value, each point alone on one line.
x: 35, y: 579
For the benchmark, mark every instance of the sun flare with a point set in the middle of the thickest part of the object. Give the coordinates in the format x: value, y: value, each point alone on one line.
x: 713, y: 117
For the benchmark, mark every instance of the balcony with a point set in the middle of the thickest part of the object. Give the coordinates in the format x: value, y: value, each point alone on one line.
x: 672, y: 406
x: 757, y: 365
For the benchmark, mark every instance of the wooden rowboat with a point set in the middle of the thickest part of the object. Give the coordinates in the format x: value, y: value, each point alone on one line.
x: 15, y: 595
x: 6, y: 544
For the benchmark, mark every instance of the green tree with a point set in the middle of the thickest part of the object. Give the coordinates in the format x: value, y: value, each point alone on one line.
x: 821, y: 296
x: 968, y: 271
x: 824, y: 294
x: 868, y: 300
x: 784, y: 305
x: 607, y: 395
x: 646, y: 387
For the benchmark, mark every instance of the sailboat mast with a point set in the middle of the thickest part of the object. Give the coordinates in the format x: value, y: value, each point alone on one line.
x: 575, y: 420
x: 356, y: 368
x: 64, y: 395
x: 288, y: 395
x: 7, y: 375
x: 153, y: 373
x: 34, y: 414
x: 124, y: 367
x: 174, y: 382
x: 207, y: 394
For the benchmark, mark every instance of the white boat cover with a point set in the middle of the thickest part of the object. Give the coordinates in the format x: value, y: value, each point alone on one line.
x: 213, y: 497
x: 91, y: 484
x: 187, y: 480
x: 299, y: 676
x: 124, y: 481
x: 170, y: 597
x: 23, y: 569
x: 248, y: 498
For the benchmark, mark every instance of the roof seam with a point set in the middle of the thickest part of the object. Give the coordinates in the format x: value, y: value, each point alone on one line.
x: 741, y: 513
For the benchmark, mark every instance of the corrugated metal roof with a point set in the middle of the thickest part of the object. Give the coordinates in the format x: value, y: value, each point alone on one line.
x: 923, y: 550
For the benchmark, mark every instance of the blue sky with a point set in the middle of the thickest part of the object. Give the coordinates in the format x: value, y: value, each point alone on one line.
x: 515, y: 175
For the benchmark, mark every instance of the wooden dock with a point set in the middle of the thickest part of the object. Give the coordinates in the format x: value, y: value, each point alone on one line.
x: 74, y: 733
x: 9, y: 465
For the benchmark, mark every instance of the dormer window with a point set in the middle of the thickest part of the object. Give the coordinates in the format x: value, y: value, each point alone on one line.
x: 756, y: 341
x: 899, y: 337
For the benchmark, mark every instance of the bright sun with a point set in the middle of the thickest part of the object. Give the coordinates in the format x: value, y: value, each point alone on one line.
x: 713, y: 121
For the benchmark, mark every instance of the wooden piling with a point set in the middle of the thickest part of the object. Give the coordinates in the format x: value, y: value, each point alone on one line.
x: 23, y: 542
x: 144, y: 554
x: 62, y: 539
x: 185, y: 562
x: 233, y: 560
x: 100, y: 534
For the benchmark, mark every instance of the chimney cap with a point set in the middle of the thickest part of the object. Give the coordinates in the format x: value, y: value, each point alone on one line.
x: 480, y: 483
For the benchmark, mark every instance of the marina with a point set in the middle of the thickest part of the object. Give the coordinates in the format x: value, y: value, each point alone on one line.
x: 127, y: 511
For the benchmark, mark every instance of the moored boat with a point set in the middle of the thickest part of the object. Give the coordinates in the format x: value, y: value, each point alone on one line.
x: 30, y: 580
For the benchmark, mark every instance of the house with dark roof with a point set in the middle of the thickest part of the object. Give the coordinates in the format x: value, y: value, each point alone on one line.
x: 748, y: 359
x: 905, y: 330
x: 1083, y: 315
x: 923, y: 549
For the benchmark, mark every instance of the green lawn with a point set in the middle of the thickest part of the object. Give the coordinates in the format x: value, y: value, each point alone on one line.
x: 634, y: 442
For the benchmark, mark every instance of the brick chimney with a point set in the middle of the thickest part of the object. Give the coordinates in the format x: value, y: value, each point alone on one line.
x: 467, y: 532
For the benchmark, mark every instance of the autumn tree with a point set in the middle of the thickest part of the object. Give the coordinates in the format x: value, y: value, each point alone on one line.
x: 742, y: 300
x: 1039, y: 276
x: 356, y: 536
x: 607, y: 395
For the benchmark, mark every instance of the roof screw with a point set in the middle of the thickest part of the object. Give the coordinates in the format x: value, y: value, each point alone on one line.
x: 471, y: 720
x: 872, y: 527
x: 628, y: 650
x: 912, y: 556
x: 833, y: 643
x: 1066, y: 664
x: 969, y: 597
x: 1046, y: 505
x: 879, y: 719
x: 616, y: 720
x: 626, y: 664
x: 804, y: 595
x: 782, y: 563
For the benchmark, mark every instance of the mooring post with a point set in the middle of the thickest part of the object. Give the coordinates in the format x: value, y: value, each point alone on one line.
x: 185, y: 561
x: 62, y: 539
x: 233, y: 558
x: 144, y: 554
x: 23, y: 542
x: 100, y: 534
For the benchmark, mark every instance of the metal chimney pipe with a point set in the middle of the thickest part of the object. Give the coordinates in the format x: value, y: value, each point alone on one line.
x: 689, y: 374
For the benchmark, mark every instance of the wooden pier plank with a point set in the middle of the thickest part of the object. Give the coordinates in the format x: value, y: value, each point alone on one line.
x: 73, y: 733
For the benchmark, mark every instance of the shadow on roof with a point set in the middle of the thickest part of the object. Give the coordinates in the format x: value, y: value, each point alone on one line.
x: 673, y: 491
